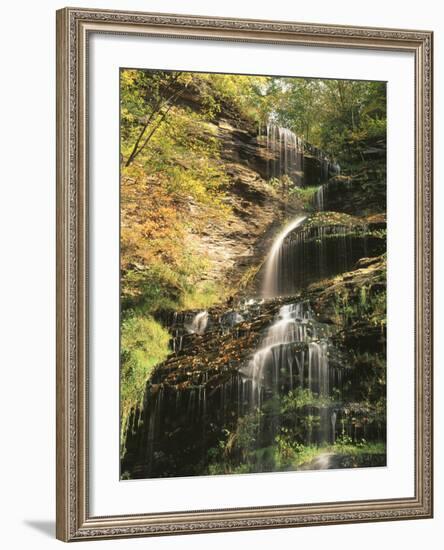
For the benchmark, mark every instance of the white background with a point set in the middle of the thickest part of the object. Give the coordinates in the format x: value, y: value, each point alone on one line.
x: 27, y: 275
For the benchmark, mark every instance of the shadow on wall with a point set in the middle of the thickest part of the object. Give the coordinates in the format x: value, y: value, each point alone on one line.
x: 47, y: 527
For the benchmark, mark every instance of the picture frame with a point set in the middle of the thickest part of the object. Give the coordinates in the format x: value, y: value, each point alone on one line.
x: 75, y: 519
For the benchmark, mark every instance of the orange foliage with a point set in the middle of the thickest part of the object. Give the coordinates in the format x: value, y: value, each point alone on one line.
x: 152, y: 227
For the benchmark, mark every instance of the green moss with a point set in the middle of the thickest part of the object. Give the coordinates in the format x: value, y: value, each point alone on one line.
x: 144, y: 344
x: 331, y: 219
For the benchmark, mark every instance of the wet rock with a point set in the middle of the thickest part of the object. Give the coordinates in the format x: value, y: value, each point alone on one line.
x: 362, y: 194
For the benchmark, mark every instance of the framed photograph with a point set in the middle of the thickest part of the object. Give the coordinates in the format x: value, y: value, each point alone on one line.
x: 244, y: 274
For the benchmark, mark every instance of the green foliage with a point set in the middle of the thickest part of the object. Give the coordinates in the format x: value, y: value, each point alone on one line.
x: 243, y: 448
x: 151, y: 288
x: 238, y: 451
x: 285, y: 455
x: 171, y: 159
x: 343, y: 441
x: 290, y: 455
x: 304, y: 195
x: 339, y: 116
x: 144, y: 344
x: 300, y: 398
x: 299, y: 411
x: 275, y: 183
x: 178, y: 166
x: 297, y: 105
x: 243, y: 439
x: 367, y: 303
x: 244, y: 94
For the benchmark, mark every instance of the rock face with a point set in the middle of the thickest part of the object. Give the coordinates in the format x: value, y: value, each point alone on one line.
x: 235, y: 245
x: 258, y: 208
x: 363, y: 193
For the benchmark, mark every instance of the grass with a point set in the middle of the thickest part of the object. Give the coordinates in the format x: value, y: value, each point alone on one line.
x: 201, y: 296
x: 363, y: 448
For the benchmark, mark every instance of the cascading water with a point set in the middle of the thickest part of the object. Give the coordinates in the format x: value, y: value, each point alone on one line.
x: 319, y: 198
x: 289, y: 155
x: 286, y: 150
x: 271, y: 279
x: 199, y: 323
x: 302, y: 254
x: 293, y: 353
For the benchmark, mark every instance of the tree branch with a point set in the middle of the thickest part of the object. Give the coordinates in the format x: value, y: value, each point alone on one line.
x: 157, y: 107
x: 170, y: 102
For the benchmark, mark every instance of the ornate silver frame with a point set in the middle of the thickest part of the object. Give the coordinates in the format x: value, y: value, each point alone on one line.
x: 74, y: 521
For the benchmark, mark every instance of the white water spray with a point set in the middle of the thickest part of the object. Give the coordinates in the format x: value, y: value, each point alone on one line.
x: 199, y: 323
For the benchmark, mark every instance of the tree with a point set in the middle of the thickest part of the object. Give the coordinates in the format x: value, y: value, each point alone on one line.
x: 147, y: 98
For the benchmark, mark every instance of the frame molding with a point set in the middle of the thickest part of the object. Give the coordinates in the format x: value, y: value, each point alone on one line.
x: 73, y: 519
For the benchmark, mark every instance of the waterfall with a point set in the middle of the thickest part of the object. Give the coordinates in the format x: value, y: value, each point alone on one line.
x: 186, y: 410
x: 282, y: 353
x: 286, y: 151
x: 198, y: 323
x: 319, y: 198
x: 264, y: 368
x: 154, y: 424
x: 252, y: 382
x: 333, y: 425
x: 271, y: 287
x: 305, y: 253
x: 285, y: 157
x: 288, y: 328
